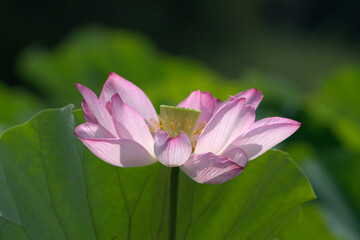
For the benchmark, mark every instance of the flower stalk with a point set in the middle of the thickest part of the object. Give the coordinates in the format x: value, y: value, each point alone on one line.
x: 173, y: 198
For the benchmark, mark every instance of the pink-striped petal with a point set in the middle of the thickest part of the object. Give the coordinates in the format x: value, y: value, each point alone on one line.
x: 202, y: 101
x: 237, y: 155
x: 172, y: 152
x: 130, y: 95
x: 273, y: 120
x: 130, y: 125
x: 211, y: 169
x: 118, y: 152
x: 218, y: 104
x: 219, y: 129
x: 88, y: 115
x: 98, y: 110
x: 264, y: 135
x: 253, y: 97
x: 243, y: 123
x: 92, y: 131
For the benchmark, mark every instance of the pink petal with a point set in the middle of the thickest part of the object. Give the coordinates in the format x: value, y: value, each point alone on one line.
x: 211, y: 169
x: 273, y: 120
x: 118, y: 152
x: 219, y: 129
x: 98, y: 110
x: 130, y: 125
x: 218, y: 104
x: 264, y: 135
x: 237, y: 155
x: 92, y: 130
x: 243, y: 123
x: 202, y: 101
x: 172, y: 152
x: 253, y: 97
x: 88, y: 115
x: 130, y: 95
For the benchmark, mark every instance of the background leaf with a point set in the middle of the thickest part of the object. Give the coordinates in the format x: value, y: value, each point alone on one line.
x: 311, y: 227
x: 17, y: 105
x: 88, y: 55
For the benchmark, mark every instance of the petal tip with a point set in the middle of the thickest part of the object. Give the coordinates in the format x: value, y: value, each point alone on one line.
x: 76, y: 132
x: 82, y: 89
x: 79, y: 86
x: 113, y: 74
x: 261, y: 95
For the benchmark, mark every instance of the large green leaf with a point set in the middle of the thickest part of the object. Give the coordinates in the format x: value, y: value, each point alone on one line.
x: 252, y: 206
x: 54, y: 188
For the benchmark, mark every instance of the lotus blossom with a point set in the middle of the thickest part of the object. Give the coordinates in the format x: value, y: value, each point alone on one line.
x: 211, y: 141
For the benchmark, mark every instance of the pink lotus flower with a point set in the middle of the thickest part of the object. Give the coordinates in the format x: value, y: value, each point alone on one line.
x: 210, y: 140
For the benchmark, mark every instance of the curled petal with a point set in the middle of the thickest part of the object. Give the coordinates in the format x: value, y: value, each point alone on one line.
x: 118, y: 152
x: 130, y: 125
x: 252, y: 96
x: 264, y: 135
x: 88, y: 115
x: 202, y: 101
x: 98, y: 110
x: 219, y: 129
x: 237, y: 155
x: 212, y: 169
x: 130, y: 95
x: 172, y: 152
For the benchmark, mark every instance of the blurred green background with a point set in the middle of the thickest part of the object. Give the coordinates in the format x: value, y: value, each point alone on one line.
x: 304, y: 56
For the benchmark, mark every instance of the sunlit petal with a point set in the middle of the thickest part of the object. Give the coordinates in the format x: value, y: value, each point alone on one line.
x: 172, y: 152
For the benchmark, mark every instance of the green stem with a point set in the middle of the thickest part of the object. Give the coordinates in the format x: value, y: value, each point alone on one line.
x: 174, y: 180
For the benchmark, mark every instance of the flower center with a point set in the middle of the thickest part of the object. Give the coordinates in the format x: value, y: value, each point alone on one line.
x: 175, y: 120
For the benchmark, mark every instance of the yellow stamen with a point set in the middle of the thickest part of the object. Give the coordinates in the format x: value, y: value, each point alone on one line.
x: 175, y: 120
x: 154, y: 125
x: 178, y: 119
x: 195, y: 135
